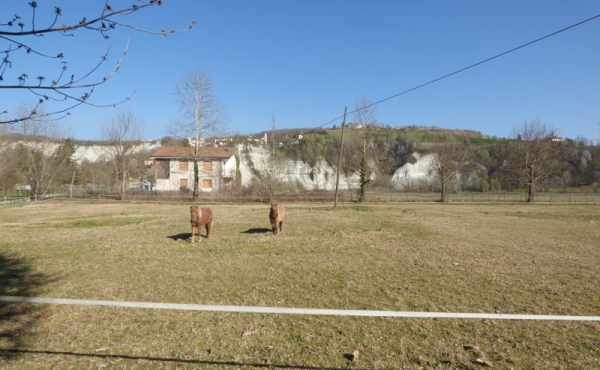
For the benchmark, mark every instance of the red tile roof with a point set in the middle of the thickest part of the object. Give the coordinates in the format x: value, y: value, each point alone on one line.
x: 188, y: 152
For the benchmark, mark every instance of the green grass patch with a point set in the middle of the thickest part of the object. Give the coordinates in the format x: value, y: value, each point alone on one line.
x: 101, y: 222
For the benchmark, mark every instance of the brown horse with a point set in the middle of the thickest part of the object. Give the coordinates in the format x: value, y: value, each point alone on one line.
x: 199, y: 217
x: 276, y: 217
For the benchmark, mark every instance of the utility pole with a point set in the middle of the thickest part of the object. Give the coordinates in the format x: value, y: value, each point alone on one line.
x: 339, y: 166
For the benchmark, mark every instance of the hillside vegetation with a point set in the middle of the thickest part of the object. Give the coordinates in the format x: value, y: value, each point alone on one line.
x: 577, y: 164
x: 372, y: 156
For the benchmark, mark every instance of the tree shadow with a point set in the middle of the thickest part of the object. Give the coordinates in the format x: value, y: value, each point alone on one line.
x: 257, y: 231
x: 18, y: 279
x: 181, y: 361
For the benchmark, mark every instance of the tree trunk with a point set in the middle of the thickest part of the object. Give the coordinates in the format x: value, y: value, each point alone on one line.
x: 444, y: 192
x: 196, y: 191
x: 530, y: 185
x: 71, y: 187
x: 363, y: 172
x: 363, y: 180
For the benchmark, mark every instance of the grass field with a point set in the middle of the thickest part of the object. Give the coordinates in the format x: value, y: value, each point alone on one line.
x: 494, y: 258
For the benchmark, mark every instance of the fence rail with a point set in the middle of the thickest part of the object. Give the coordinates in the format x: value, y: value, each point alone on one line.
x: 328, y: 197
x: 293, y: 310
x: 9, y: 200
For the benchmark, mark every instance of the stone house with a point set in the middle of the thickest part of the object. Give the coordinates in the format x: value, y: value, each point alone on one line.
x: 174, y: 168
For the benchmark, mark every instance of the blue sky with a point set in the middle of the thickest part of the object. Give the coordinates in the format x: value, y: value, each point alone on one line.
x: 307, y: 60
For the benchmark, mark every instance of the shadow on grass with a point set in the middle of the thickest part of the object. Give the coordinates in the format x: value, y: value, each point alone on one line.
x: 169, y: 360
x: 257, y: 231
x: 18, y: 279
x: 182, y: 236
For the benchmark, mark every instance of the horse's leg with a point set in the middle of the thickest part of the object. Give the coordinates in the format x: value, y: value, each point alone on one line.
x: 209, y: 226
x: 281, y: 226
x: 192, y: 238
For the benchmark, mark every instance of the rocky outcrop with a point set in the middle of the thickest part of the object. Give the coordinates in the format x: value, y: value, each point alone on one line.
x: 414, y: 175
x: 255, y: 158
x: 322, y: 176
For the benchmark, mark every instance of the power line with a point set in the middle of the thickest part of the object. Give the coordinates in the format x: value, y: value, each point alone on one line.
x: 463, y: 69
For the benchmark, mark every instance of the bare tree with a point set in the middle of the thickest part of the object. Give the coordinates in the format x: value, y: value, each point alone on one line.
x: 9, y: 169
x: 21, y: 35
x: 271, y: 174
x: 40, y: 152
x: 365, y: 115
x: 67, y: 173
x: 123, y: 134
x: 531, y: 158
x: 201, y: 115
x: 448, y: 160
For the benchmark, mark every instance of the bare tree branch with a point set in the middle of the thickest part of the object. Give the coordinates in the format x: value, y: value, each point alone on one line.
x: 449, y: 159
x: 48, y: 89
x: 201, y: 113
x: 365, y: 115
x: 124, y: 135
x: 38, y: 151
x: 531, y: 158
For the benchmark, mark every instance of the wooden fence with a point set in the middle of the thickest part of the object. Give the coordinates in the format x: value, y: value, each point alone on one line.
x: 372, y: 196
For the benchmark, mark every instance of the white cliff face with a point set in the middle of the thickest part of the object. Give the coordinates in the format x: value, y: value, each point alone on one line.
x: 415, y: 175
x: 93, y: 153
x: 322, y: 176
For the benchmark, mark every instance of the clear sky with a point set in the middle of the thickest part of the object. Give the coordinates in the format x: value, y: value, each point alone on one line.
x: 306, y: 60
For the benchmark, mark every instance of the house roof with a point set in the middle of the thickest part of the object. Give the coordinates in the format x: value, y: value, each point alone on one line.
x: 188, y: 152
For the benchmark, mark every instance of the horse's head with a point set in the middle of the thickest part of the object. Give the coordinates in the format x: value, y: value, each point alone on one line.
x: 194, y: 213
x: 273, y: 212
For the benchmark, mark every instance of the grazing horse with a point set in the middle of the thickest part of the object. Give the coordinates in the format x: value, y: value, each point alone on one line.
x: 276, y: 217
x: 199, y: 217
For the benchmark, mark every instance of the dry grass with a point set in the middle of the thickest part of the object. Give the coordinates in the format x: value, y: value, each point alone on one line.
x: 535, y: 259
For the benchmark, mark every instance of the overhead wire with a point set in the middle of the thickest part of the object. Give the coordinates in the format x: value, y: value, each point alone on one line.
x: 461, y: 70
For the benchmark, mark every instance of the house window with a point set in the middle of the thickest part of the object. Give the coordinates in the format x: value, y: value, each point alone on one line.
x: 207, y: 166
x: 207, y: 184
x: 183, y: 166
x: 162, y: 169
x: 183, y: 183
